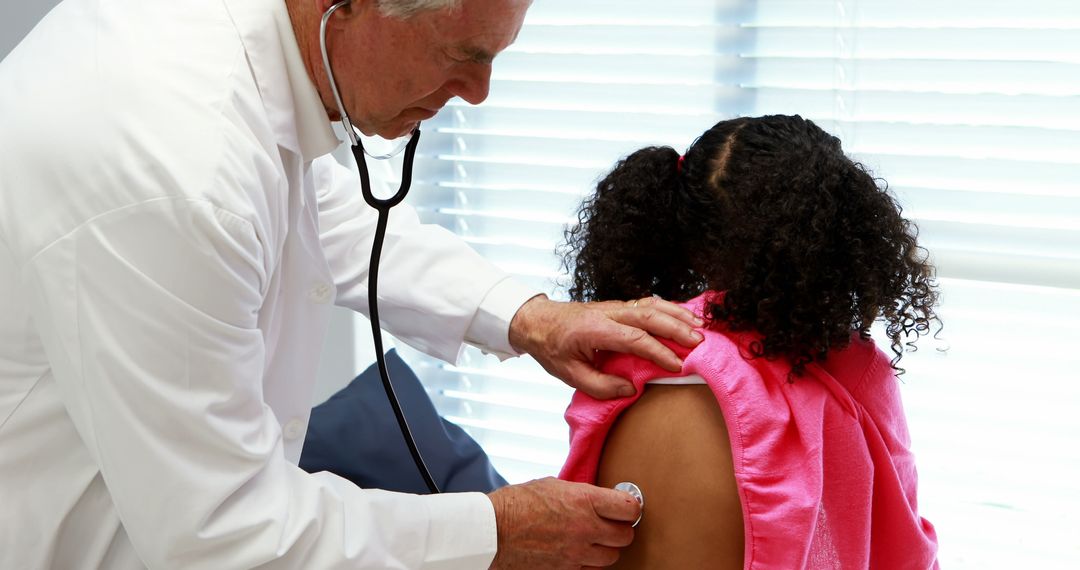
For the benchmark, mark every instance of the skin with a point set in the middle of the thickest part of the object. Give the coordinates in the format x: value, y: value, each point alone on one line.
x: 421, y: 63
x: 563, y: 337
x: 673, y: 444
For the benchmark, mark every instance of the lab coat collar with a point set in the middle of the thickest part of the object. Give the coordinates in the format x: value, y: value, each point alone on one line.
x: 296, y: 114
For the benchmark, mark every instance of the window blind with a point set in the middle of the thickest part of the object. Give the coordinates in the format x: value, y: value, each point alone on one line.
x: 970, y: 109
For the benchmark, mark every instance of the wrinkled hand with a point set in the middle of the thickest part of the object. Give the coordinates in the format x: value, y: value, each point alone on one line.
x: 562, y: 337
x: 558, y: 525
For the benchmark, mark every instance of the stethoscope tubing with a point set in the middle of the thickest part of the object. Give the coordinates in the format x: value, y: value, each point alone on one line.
x: 383, y: 206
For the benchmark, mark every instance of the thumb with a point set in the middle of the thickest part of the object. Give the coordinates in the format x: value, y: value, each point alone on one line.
x: 588, y: 379
x: 615, y: 505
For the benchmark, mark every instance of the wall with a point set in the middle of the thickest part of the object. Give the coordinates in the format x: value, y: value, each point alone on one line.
x: 18, y: 17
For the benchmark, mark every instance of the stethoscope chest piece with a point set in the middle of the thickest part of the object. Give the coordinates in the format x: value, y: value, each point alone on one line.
x: 635, y: 492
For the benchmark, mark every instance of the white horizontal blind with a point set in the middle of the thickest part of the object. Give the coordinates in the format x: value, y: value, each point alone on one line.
x: 585, y: 84
x: 969, y: 108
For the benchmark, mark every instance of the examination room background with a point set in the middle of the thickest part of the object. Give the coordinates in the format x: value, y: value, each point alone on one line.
x: 969, y: 108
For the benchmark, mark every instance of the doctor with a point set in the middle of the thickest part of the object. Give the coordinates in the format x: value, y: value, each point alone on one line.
x: 171, y: 235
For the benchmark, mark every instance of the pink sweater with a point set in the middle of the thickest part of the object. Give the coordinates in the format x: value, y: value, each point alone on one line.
x: 822, y: 465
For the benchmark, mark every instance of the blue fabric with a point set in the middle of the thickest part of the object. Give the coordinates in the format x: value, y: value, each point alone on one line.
x: 354, y: 434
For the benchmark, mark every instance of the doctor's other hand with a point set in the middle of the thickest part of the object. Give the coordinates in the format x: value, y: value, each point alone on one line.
x: 553, y: 524
x: 563, y: 338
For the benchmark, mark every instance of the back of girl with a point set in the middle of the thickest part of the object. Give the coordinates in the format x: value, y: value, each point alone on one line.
x: 783, y: 443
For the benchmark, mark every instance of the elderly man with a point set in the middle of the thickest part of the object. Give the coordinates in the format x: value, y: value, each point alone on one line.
x: 171, y: 235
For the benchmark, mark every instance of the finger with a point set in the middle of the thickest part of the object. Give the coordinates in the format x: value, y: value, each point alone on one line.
x: 613, y: 505
x: 599, y: 556
x: 616, y: 535
x: 679, y: 312
x: 657, y: 322
x: 637, y: 341
x: 597, y: 384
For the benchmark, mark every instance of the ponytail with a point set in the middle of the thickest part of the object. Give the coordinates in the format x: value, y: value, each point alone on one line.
x: 628, y: 242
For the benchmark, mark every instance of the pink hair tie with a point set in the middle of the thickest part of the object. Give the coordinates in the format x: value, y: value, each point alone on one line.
x: 682, y: 159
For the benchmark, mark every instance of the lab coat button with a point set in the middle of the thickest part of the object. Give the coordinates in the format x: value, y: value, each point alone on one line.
x: 294, y: 429
x: 321, y: 293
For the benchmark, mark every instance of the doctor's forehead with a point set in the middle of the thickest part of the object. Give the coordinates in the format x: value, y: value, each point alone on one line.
x: 480, y: 29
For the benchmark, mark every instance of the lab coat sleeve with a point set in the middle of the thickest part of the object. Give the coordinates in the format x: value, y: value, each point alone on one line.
x: 150, y: 317
x: 435, y: 292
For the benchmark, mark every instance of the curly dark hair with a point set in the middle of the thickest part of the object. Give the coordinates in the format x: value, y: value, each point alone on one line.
x: 806, y: 245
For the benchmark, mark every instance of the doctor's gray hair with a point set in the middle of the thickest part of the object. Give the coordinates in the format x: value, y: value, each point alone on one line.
x: 408, y: 8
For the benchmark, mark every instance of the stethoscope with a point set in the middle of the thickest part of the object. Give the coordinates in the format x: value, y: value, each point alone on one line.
x: 383, y: 205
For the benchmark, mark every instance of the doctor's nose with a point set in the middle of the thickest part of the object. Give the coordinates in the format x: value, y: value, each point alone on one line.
x: 473, y: 85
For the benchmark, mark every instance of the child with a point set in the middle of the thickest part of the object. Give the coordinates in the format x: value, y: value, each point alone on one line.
x: 783, y: 443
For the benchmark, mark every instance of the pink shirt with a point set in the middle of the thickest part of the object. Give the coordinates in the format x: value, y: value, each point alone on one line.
x: 822, y: 464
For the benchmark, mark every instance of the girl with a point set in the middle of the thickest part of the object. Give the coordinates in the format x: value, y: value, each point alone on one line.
x: 783, y: 443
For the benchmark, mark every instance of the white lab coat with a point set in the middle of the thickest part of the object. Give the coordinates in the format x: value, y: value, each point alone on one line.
x: 169, y: 245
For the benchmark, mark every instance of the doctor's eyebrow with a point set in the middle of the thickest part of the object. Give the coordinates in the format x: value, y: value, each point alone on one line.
x: 476, y: 54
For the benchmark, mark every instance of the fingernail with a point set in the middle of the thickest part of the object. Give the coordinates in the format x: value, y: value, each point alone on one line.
x: 698, y: 322
x: 696, y: 336
x: 626, y: 390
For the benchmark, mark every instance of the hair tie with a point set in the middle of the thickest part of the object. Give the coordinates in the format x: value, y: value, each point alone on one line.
x: 682, y: 159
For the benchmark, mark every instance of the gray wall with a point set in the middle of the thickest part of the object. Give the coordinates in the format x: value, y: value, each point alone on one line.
x: 17, y: 17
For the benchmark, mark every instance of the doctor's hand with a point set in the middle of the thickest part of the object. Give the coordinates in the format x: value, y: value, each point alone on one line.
x: 563, y: 337
x: 556, y: 524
